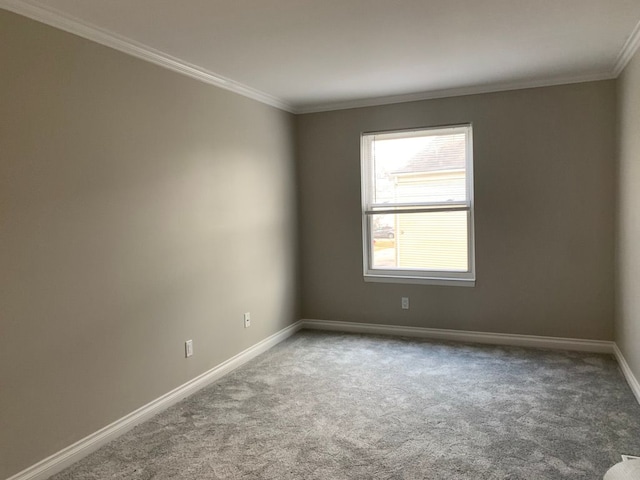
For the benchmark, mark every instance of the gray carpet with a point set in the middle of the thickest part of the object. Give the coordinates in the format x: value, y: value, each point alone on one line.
x: 339, y: 406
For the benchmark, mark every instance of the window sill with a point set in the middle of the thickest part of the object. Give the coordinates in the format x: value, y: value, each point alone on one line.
x: 451, y: 282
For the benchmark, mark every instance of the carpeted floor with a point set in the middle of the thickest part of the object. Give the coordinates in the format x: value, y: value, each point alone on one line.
x: 340, y: 406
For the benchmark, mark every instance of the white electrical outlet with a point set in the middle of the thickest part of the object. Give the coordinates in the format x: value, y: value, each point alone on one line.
x: 247, y: 320
x: 405, y: 303
x: 188, y: 348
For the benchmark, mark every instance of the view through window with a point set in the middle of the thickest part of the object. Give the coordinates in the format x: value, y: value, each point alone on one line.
x: 418, y: 204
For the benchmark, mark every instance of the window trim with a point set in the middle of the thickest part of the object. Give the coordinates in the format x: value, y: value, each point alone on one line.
x: 417, y: 276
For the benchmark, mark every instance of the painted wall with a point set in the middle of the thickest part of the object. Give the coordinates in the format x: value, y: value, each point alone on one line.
x: 138, y: 208
x: 544, y: 195
x: 627, y: 327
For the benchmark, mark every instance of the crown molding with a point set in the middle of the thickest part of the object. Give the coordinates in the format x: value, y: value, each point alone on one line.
x: 110, y: 39
x: 62, y: 21
x: 628, y: 51
x: 454, y: 92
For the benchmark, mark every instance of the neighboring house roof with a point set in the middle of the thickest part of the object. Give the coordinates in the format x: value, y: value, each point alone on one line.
x: 442, y: 153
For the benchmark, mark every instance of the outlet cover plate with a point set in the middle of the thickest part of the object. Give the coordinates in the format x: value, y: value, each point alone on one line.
x: 247, y: 320
x: 188, y: 348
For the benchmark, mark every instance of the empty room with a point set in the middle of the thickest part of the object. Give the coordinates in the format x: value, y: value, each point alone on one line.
x: 319, y: 239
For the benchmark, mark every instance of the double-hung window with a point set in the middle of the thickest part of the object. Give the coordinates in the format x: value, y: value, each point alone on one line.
x: 417, y: 206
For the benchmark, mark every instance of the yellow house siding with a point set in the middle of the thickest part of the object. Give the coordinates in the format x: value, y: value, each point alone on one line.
x: 432, y: 241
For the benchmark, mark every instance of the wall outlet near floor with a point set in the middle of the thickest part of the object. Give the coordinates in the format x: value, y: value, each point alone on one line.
x: 247, y: 320
x: 188, y: 348
x: 405, y: 303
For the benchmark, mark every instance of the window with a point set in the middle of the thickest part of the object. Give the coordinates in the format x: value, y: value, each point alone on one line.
x: 417, y: 206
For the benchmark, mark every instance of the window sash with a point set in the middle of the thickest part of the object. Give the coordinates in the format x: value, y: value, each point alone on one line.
x: 416, y: 271
x: 368, y: 169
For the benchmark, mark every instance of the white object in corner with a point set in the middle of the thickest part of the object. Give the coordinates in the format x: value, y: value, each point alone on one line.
x: 629, y: 470
x: 70, y: 455
x: 597, y: 346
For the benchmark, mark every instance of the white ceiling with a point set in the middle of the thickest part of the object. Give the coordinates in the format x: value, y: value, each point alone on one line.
x: 308, y: 55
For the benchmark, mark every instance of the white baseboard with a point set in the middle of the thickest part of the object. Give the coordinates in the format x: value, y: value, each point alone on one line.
x: 626, y: 371
x: 71, y: 454
x: 598, y: 346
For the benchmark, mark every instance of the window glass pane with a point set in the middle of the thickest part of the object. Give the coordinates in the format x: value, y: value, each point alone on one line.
x: 428, y: 168
x: 434, y: 241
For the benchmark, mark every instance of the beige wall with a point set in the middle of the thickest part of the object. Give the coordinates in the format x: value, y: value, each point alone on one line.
x: 627, y: 327
x: 544, y: 191
x: 138, y: 208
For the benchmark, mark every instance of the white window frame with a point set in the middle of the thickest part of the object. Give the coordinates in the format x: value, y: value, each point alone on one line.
x: 369, y: 208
